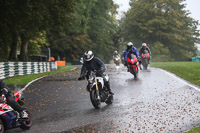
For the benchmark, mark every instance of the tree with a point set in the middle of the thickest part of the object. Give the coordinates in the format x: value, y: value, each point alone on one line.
x: 163, y: 21
x: 93, y: 27
x: 25, y: 19
x: 102, y: 29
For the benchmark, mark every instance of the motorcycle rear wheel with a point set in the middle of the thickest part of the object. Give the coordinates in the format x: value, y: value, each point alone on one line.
x: 1, y: 126
x: 95, y: 102
x: 26, y: 124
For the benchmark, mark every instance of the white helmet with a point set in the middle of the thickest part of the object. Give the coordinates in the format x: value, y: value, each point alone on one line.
x: 129, y: 45
x: 88, y: 55
x: 144, y: 44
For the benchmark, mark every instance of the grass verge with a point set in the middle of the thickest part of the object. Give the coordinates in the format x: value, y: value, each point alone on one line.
x: 194, y: 130
x: 25, y: 79
x: 189, y: 71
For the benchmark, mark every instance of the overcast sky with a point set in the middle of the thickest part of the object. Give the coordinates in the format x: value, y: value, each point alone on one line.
x: 192, y: 5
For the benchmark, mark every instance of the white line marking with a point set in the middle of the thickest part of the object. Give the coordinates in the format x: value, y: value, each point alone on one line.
x: 31, y: 83
x: 176, y: 77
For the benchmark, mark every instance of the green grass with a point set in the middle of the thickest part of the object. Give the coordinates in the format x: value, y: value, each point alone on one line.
x: 194, y: 130
x: 25, y: 79
x: 189, y: 71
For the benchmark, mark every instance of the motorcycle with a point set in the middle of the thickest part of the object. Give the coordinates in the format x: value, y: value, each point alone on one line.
x: 10, y: 118
x: 145, y: 59
x: 133, y: 65
x: 98, y: 91
x: 117, y: 60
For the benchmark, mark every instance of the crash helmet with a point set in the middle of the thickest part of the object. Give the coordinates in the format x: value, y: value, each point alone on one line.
x: 129, y: 45
x: 88, y: 55
x: 115, y: 52
x: 144, y: 45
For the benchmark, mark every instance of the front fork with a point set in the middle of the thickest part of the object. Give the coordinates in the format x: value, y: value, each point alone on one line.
x: 97, y: 89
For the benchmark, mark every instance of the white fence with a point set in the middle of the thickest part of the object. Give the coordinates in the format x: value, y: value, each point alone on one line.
x: 10, y: 69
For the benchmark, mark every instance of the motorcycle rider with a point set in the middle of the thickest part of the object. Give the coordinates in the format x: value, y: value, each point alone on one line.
x: 115, y: 54
x: 11, y: 100
x: 143, y: 48
x: 130, y: 50
x: 94, y: 63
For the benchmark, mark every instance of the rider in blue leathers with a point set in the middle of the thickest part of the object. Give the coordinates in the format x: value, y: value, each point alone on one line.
x: 130, y: 50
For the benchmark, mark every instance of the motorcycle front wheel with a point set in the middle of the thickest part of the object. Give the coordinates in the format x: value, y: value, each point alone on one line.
x: 145, y: 64
x: 95, y: 102
x: 1, y: 126
x: 134, y: 72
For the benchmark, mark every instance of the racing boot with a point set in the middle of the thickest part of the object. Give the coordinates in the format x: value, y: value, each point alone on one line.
x: 107, y: 84
x: 23, y: 115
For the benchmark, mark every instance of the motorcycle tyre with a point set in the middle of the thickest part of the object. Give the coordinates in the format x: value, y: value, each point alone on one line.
x: 110, y: 100
x: 26, y: 125
x: 93, y: 98
x: 2, y: 126
x: 145, y: 64
x: 135, y: 73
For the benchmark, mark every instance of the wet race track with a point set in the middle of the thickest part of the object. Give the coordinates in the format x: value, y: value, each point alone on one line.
x: 155, y: 102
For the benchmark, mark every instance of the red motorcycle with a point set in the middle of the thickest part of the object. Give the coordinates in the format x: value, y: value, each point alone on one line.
x: 133, y: 65
x: 10, y: 118
x: 145, y: 59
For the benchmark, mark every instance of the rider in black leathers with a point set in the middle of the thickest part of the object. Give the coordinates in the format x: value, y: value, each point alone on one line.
x: 94, y: 63
x: 11, y: 99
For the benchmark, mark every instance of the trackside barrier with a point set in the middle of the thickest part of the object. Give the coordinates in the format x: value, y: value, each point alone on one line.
x: 61, y: 63
x: 10, y: 69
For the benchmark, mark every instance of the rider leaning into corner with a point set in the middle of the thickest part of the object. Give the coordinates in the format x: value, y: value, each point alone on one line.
x: 11, y: 99
x: 93, y: 63
x: 143, y: 48
x: 131, y: 50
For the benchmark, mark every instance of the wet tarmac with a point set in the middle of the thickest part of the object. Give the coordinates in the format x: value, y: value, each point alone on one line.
x: 154, y: 102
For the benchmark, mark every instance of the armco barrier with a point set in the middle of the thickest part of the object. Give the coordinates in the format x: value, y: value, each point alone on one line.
x: 10, y: 69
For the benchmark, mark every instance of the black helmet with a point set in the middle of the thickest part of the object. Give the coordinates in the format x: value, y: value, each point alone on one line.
x: 88, y: 55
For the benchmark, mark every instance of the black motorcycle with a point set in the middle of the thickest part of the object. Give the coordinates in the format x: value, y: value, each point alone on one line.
x: 98, y: 91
